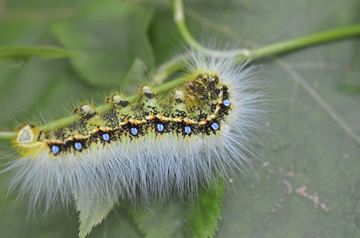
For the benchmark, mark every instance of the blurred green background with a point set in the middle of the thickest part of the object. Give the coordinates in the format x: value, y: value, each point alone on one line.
x: 308, y: 181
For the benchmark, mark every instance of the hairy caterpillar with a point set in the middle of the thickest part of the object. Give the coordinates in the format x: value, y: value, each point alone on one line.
x: 152, y: 146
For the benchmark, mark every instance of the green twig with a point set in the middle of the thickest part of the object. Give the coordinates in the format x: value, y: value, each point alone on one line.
x: 7, y: 135
x: 105, y: 107
x: 243, y: 55
x: 179, y: 19
x: 180, y: 22
x: 169, y: 68
x: 285, y: 47
x: 100, y: 109
x: 44, y: 52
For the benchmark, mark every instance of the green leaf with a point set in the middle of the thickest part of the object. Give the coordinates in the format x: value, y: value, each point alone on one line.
x: 116, y: 224
x: 194, y: 218
x: 44, y: 52
x: 91, y: 212
x: 165, y: 219
x: 204, y: 212
x: 113, y: 34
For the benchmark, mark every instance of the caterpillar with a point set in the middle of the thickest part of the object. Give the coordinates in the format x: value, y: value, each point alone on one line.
x: 147, y: 146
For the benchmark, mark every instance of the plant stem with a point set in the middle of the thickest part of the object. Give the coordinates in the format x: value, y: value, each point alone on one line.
x: 179, y: 20
x: 306, y: 41
x: 169, y: 68
x: 250, y: 55
x: 7, y: 135
x: 285, y: 47
x: 105, y: 107
x: 176, y: 64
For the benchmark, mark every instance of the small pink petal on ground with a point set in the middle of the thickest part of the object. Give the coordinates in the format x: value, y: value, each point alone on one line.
x: 312, y: 197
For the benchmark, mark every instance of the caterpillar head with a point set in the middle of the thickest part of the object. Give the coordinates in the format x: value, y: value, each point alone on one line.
x: 26, y: 140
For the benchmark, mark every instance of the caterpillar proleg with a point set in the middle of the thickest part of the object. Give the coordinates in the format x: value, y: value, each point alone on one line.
x: 149, y: 147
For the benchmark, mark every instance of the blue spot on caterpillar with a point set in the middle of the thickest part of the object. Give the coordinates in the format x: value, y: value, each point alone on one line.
x: 187, y: 130
x: 134, y: 131
x: 226, y: 103
x: 55, y: 149
x: 215, y: 126
x: 151, y: 147
x: 78, y: 146
x: 106, y: 137
x: 160, y: 127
